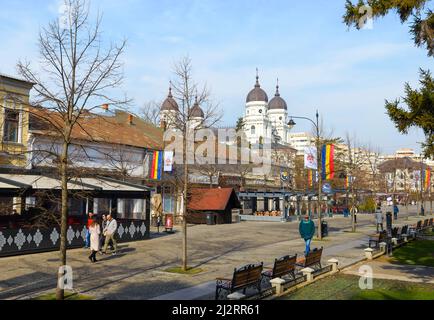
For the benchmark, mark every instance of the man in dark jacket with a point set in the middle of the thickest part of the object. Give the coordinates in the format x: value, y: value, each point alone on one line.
x: 307, y: 231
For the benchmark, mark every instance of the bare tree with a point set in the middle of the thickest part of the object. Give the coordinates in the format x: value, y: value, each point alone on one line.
x: 353, y: 162
x: 150, y: 112
x: 373, y: 159
x: 189, y: 95
x: 78, y: 71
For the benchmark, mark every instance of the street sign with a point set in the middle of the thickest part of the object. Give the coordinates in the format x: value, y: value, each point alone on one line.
x: 327, y: 188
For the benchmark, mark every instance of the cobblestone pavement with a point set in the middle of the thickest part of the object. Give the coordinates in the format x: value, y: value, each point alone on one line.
x: 137, y: 272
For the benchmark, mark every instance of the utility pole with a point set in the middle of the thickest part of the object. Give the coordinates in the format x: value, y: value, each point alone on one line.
x: 319, y: 167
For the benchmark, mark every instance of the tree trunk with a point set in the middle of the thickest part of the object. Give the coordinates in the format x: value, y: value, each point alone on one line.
x: 60, y: 292
x: 184, y: 215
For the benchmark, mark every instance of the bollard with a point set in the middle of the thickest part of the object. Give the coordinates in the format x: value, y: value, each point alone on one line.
x: 369, y: 253
x: 334, y: 263
x: 278, y: 284
x: 405, y: 238
x: 236, y: 296
x: 308, y: 272
x: 383, y: 247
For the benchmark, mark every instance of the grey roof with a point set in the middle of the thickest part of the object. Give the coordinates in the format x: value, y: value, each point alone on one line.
x: 257, y: 94
x: 170, y: 104
x: 277, y: 102
x: 14, y: 78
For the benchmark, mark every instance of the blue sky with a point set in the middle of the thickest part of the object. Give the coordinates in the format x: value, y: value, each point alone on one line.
x: 347, y: 75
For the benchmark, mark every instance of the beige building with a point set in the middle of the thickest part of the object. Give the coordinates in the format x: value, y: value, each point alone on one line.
x: 14, y: 121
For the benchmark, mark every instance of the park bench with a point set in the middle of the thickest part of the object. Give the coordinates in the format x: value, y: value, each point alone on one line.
x: 417, y: 227
x: 395, y: 232
x: 425, y: 225
x: 403, y: 232
x: 282, y: 267
x: 312, y: 260
x: 378, y: 238
x: 243, y: 278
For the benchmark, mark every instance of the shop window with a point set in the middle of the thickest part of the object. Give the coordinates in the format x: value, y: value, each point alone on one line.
x: 6, y: 206
x: 131, y: 209
x: 102, y: 206
x: 168, y: 202
x: 76, y: 207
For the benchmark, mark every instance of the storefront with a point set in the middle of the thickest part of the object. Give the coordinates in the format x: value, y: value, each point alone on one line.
x: 30, y: 209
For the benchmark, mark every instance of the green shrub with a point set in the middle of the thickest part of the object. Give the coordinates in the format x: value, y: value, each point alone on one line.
x: 368, y: 206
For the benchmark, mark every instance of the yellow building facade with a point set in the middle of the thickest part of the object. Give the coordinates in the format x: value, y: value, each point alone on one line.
x: 14, y: 121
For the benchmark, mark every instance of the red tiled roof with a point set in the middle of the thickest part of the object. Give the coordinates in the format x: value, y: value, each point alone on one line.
x: 106, y: 129
x: 209, y: 199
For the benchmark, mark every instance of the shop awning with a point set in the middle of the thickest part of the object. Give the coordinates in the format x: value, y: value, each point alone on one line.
x: 40, y: 182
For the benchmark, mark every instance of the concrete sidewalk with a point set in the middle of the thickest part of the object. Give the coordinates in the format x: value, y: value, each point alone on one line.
x: 137, y: 273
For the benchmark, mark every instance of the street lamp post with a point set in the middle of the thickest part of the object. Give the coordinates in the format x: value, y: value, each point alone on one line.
x: 318, y: 147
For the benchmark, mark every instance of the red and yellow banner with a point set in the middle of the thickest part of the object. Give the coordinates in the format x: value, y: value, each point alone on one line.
x: 328, y: 162
x: 427, y: 179
x: 310, y: 178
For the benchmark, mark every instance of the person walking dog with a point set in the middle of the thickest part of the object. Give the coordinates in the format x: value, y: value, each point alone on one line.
x: 307, y: 231
x: 94, y: 231
x: 109, y: 233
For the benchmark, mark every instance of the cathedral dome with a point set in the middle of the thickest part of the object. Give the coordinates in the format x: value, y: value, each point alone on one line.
x: 277, y: 103
x: 170, y: 104
x: 257, y: 94
x: 196, y: 111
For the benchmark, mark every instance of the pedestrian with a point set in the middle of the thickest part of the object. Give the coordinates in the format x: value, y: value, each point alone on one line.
x: 94, y: 231
x: 307, y: 231
x: 422, y: 210
x: 88, y: 223
x: 158, y: 223
x: 395, y: 212
x: 103, y: 227
x: 379, y: 219
x: 110, y: 234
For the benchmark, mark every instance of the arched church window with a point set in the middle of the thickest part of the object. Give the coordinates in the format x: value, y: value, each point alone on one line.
x: 253, y: 130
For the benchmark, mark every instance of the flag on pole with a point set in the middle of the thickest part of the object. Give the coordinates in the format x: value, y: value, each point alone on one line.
x: 310, y: 178
x: 427, y: 179
x: 347, y: 182
x: 310, y: 158
x: 157, y: 165
x: 328, y: 162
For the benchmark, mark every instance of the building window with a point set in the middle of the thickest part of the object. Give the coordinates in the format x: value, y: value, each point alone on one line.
x: 132, y: 209
x: 102, y: 206
x: 253, y: 130
x: 11, y: 128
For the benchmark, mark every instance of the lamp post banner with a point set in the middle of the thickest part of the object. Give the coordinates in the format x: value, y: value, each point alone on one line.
x: 310, y: 158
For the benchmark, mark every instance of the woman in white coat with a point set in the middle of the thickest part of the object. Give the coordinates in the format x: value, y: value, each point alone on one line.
x: 95, y: 231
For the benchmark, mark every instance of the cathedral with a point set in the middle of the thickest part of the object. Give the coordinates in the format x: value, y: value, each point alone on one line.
x: 266, y: 119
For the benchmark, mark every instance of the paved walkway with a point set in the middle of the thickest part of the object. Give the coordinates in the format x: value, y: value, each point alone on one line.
x: 138, y: 271
x: 390, y: 271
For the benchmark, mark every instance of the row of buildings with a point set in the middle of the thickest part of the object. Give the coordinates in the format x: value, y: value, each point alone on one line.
x: 116, y: 144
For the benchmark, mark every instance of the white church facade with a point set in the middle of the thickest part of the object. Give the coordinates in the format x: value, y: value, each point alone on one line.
x: 266, y: 120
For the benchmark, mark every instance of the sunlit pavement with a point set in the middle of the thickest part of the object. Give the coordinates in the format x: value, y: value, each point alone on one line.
x: 137, y: 272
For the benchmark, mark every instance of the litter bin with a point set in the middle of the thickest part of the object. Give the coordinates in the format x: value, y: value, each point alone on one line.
x: 324, y: 229
x: 389, y: 222
x: 210, y: 221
